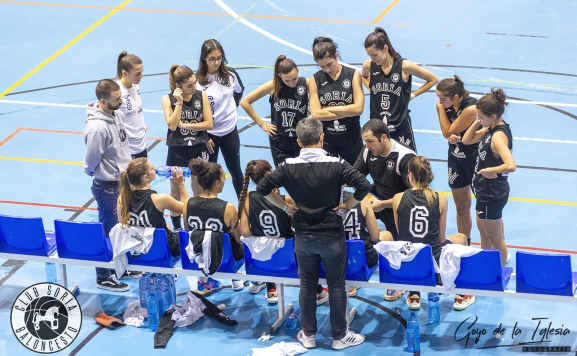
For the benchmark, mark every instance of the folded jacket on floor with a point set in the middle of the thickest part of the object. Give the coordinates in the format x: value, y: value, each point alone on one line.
x: 133, y: 239
x: 397, y: 252
x: 212, y: 311
x: 205, y: 248
x: 188, y: 312
x: 262, y: 248
x: 134, y: 315
x: 450, y: 262
x: 164, y: 331
x: 280, y: 349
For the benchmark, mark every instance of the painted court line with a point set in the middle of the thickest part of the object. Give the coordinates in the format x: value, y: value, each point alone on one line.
x: 63, y: 49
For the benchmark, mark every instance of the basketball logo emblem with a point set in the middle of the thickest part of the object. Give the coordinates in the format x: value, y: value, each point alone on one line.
x: 197, y: 104
x: 346, y: 83
x: 395, y: 77
x: 46, y: 318
x: 301, y: 90
x: 390, y: 164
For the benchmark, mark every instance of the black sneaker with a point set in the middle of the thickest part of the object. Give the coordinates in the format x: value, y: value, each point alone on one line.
x: 112, y: 284
x: 128, y: 274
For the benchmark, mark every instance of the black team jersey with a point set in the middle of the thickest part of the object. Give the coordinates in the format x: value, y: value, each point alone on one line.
x: 337, y: 93
x: 389, y: 173
x: 460, y: 150
x: 142, y: 210
x: 389, y: 94
x: 290, y: 108
x: 419, y: 221
x: 266, y: 219
x: 354, y: 221
x: 191, y: 113
x: 491, y: 189
x: 206, y: 214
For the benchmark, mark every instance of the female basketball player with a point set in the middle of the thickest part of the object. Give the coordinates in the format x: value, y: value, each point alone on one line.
x: 224, y: 89
x: 418, y: 207
x: 457, y: 111
x: 207, y: 212
x: 138, y: 205
x: 494, y: 163
x: 251, y: 207
x: 389, y: 79
x: 337, y: 99
x: 289, y: 100
x: 188, y: 116
x: 129, y: 73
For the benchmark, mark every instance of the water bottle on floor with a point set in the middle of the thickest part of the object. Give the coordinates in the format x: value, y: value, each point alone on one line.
x: 165, y: 293
x: 143, y: 289
x: 413, y: 334
x: 153, y: 313
x: 166, y: 172
x: 433, y: 314
x: 51, y: 273
x: 293, y: 321
x: 172, y: 289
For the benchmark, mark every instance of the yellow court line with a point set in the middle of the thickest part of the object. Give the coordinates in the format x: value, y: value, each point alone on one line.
x: 391, y: 5
x: 528, y: 200
x: 61, y: 50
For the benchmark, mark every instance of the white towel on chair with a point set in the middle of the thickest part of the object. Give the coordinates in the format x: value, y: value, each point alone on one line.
x: 450, y: 262
x: 397, y: 252
x: 263, y: 247
x: 133, y: 239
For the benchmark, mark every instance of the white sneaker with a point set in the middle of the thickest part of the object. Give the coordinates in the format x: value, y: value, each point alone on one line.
x: 254, y: 287
x: 271, y: 296
x: 323, y: 296
x: 308, y: 342
x: 350, y: 339
x: 237, y: 285
x: 508, y: 258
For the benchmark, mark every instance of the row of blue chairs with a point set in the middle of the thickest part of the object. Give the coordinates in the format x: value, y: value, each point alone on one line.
x: 535, y: 273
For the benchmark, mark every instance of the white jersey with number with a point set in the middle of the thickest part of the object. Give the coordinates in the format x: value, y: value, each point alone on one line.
x: 222, y: 103
x: 133, y: 117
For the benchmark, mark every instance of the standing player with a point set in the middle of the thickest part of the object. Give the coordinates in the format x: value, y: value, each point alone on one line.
x: 457, y: 111
x: 389, y: 78
x: 224, y: 90
x: 494, y: 163
x: 188, y: 116
x: 289, y: 102
x: 337, y: 99
x: 129, y: 73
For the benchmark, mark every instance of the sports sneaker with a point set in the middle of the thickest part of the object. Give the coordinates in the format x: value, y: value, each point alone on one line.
x: 413, y: 301
x: 352, y: 291
x: 350, y: 339
x: 508, y: 258
x: 271, y: 296
x: 255, y: 287
x: 112, y: 284
x: 323, y: 296
x: 308, y: 342
x: 392, y: 294
x: 463, y: 301
x: 238, y: 284
x: 212, y: 285
x: 131, y: 274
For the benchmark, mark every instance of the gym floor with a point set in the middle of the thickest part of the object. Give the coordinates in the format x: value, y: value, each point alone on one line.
x: 54, y: 52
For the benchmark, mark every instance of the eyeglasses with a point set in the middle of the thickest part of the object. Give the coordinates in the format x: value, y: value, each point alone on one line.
x: 214, y: 60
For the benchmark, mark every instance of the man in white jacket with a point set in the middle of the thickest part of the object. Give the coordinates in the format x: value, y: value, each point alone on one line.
x: 107, y: 155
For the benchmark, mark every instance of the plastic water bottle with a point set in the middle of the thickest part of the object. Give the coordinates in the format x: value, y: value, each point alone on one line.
x: 166, y: 172
x: 164, y: 296
x: 51, y: 273
x: 293, y: 321
x: 143, y: 288
x: 153, y: 313
x: 433, y: 313
x: 413, y: 334
x: 172, y: 289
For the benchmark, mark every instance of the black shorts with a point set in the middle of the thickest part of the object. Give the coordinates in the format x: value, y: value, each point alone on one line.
x: 461, y: 171
x: 404, y: 133
x: 372, y: 257
x: 388, y: 218
x: 141, y: 154
x: 492, y: 209
x: 179, y: 156
x: 437, y: 253
x: 283, y: 147
x: 346, y: 145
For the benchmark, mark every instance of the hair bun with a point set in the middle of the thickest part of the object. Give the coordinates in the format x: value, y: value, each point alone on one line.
x: 198, y: 166
x: 499, y: 95
x: 380, y: 30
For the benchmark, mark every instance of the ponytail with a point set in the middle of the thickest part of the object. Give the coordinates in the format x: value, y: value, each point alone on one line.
x: 324, y: 47
x: 178, y: 75
x: 282, y: 65
x: 132, y: 176
x: 256, y: 170
x: 450, y: 87
x: 423, y: 176
x: 126, y: 62
x: 379, y: 39
x: 493, y: 103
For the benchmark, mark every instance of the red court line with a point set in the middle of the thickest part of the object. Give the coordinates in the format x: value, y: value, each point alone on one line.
x: 10, y: 136
x: 46, y: 205
x: 542, y: 249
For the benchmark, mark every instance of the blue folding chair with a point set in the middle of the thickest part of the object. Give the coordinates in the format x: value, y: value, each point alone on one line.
x: 483, y: 271
x: 159, y: 253
x: 282, y: 264
x: 25, y: 236
x: 228, y: 264
x: 545, y: 274
x: 82, y: 241
x: 420, y: 271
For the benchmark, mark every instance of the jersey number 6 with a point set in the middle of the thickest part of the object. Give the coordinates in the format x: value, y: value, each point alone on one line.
x: 419, y: 224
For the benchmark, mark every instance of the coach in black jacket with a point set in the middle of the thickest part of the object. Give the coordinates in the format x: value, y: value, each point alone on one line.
x: 314, y: 181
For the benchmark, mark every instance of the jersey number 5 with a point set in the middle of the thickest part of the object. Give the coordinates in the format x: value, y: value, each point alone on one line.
x: 385, y: 102
x: 419, y: 224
